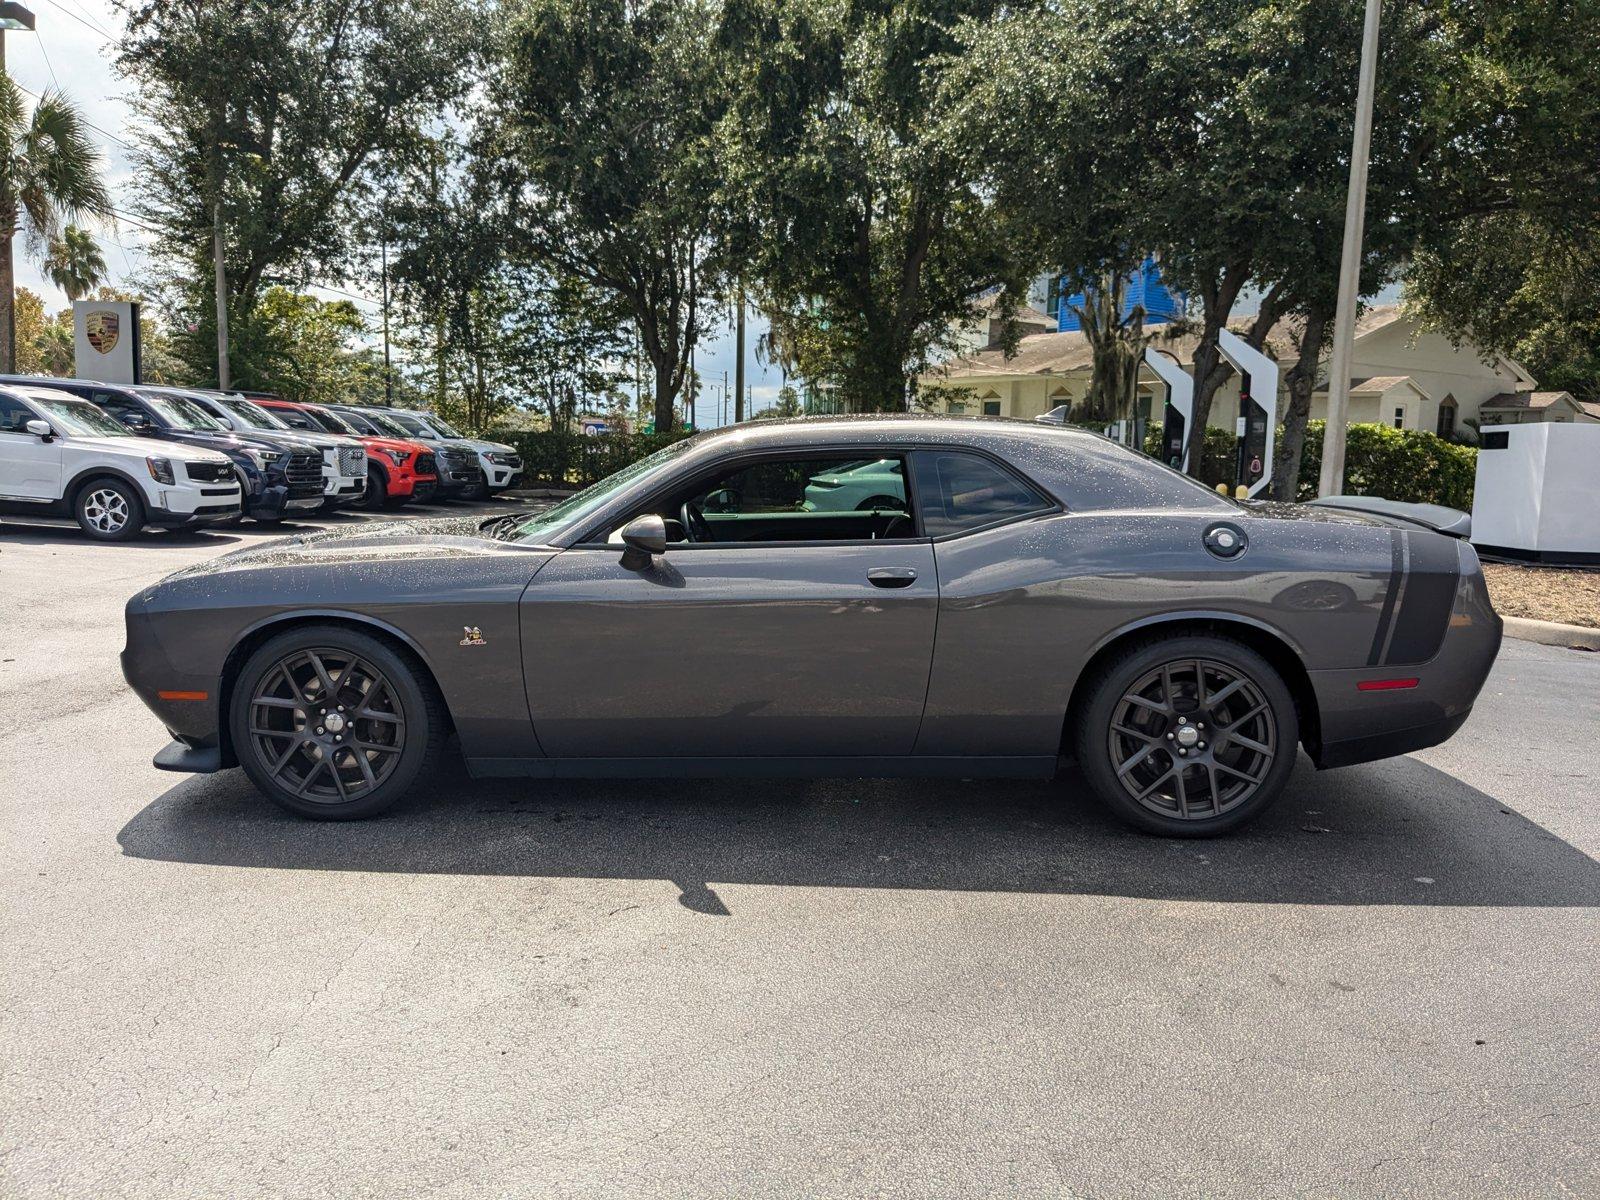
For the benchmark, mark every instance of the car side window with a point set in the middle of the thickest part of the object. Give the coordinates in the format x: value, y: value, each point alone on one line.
x: 14, y: 416
x: 957, y: 492
x: 812, y: 498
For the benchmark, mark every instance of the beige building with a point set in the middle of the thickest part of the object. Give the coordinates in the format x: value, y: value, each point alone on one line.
x: 1401, y: 376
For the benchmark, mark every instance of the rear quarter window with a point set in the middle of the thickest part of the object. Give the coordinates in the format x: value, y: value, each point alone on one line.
x: 957, y: 492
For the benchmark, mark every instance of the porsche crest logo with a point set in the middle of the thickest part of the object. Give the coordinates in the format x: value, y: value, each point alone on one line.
x: 101, y: 328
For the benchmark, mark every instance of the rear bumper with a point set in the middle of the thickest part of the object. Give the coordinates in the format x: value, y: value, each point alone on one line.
x: 1357, y: 724
x: 1390, y: 742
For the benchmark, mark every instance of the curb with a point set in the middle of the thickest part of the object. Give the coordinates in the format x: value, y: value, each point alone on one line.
x: 1552, y: 633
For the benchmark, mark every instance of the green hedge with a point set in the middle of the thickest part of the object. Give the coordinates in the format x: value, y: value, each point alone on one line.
x: 1397, y: 464
x: 577, y: 460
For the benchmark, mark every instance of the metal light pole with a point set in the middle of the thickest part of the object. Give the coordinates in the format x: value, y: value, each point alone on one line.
x: 1331, y: 481
x: 738, y: 370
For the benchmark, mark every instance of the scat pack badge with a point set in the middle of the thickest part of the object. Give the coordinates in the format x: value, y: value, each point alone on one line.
x: 473, y: 636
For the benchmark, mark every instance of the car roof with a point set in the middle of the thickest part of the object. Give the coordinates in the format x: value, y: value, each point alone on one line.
x: 39, y: 392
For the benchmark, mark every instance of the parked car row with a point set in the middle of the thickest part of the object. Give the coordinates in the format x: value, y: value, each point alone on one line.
x: 118, y: 457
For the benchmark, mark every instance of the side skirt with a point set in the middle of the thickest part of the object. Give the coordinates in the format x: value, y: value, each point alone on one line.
x: 901, y: 767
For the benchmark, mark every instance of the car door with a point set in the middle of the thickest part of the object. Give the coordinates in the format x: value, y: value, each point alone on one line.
x: 813, y: 646
x: 30, y: 468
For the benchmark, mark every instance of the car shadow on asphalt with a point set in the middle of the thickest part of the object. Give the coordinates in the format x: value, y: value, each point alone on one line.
x: 1399, y: 832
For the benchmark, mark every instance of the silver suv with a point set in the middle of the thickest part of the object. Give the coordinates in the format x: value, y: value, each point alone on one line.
x: 62, y: 457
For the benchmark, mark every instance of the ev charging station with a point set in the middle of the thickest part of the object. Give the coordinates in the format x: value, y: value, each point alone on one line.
x: 1179, y: 410
x: 1258, y: 410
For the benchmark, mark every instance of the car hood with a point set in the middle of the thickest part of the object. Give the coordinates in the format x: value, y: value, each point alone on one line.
x: 483, y: 447
x: 143, y: 447
x: 441, y: 537
x: 383, y: 443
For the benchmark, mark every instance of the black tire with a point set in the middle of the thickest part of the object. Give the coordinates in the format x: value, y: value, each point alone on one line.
x: 109, y: 509
x: 377, y: 491
x: 394, y: 717
x: 1126, y: 744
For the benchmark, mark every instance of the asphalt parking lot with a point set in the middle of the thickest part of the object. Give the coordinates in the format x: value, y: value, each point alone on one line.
x: 1386, y: 987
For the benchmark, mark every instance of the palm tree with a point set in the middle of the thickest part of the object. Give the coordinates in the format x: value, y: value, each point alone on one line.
x: 75, y: 263
x: 49, y: 169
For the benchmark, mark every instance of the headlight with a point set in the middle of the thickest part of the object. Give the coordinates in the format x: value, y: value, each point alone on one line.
x: 499, y: 457
x: 263, y: 458
x: 160, y: 469
x: 398, y: 457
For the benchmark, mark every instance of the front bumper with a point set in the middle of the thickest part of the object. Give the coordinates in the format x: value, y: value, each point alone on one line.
x: 213, y: 513
x: 275, y: 501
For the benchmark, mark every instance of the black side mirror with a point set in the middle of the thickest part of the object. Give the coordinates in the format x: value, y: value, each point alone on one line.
x: 644, y: 538
x: 136, y: 420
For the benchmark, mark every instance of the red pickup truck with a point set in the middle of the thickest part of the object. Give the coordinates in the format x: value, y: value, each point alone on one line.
x: 397, y: 471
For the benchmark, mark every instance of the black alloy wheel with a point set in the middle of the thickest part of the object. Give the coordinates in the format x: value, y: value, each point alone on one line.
x: 332, y: 723
x: 1189, y: 737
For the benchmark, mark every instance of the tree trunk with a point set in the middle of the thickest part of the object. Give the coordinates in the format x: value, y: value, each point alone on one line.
x: 1299, y: 383
x: 8, y: 305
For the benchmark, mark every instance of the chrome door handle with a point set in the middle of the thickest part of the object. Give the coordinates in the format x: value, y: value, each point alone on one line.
x: 891, y: 577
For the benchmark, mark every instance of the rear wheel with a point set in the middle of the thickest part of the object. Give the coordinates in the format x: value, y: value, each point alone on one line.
x: 109, y: 510
x: 1188, y: 736
x: 334, y: 724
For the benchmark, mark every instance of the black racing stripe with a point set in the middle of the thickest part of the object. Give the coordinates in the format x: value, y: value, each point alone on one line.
x: 1424, y: 615
x: 1384, y: 617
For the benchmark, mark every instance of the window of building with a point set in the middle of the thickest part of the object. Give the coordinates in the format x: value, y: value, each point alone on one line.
x: 1399, y: 418
x: 991, y: 408
x: 1447, y: 420
x: 958, y: 492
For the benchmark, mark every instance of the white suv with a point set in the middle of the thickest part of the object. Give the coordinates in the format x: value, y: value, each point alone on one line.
x: 60, y: 456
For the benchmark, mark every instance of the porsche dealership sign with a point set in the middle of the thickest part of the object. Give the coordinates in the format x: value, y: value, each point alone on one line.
x: 106, y: 340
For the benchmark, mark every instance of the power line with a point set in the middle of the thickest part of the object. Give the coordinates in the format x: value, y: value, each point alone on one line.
x: 89, y: 123
x: 92, y: 28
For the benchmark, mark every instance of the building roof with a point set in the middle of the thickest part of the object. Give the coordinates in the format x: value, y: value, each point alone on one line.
x: 1376, y: 385
x: 1529, y: 400
x: 1060, y: 353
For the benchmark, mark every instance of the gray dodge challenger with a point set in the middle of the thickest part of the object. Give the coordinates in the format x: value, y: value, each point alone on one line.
x: 843, y: 596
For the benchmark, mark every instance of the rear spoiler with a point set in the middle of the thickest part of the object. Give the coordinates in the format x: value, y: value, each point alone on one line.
x: 1449, y: 521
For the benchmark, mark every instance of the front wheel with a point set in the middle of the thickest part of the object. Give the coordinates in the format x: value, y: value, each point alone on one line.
x: 1188, y: 736
x: 334, y: 724
x: 377, y: 490
x: 109, y: 510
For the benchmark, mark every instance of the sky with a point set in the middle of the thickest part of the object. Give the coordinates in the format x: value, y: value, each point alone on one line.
x: 72, y: 48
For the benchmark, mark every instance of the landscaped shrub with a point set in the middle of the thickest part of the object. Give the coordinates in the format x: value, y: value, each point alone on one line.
x: 1397, y: 464
x: 575, y: 459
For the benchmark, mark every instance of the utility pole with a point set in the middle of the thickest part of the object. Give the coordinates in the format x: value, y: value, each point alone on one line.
x: 383, y: 243
x: 738, y: 369
x: 724, y: 418
x: 223, y: 374
x: 1331, y: 481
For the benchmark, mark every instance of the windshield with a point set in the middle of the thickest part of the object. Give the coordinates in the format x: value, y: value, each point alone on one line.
x: 183, y: 414
x: 334, y: 423
x: 384, y: 423
x: 79, y: 418
x: 252, y: 416
x: 444, y: 428
x: 576, y: 508
x: 414, y: 426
